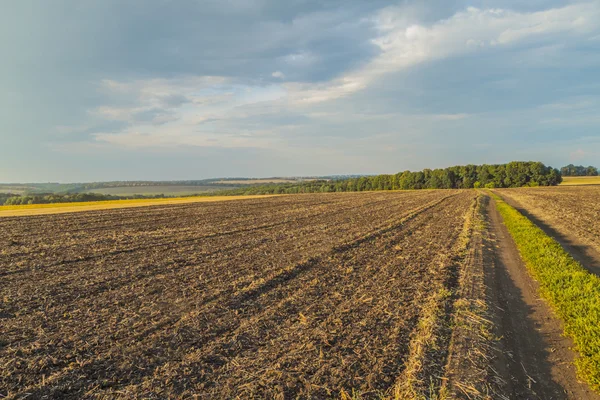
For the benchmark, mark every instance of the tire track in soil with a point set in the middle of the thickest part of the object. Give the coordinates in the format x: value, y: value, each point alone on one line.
x: 290, y: 274
x: 100, y: 365
x: 169, y: 244
x: 145, y: 273
x: 289, y: 305
x: 369, y: 281
x: 535, y: 360
x: 383, y: 210
x: 156, y: 223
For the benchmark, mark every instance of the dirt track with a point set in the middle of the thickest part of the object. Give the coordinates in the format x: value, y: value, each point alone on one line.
x: 534, y: 359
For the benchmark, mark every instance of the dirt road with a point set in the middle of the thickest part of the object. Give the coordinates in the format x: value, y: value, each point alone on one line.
x: 534, y: 359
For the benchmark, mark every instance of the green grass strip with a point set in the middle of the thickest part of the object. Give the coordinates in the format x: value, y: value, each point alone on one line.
x: 571, y: 291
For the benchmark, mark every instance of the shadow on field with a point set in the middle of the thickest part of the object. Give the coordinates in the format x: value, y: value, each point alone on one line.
x: 587, y: 256
x: 524, y: 362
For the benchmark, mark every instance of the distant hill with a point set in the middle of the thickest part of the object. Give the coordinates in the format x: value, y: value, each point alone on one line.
x: 168, y: 188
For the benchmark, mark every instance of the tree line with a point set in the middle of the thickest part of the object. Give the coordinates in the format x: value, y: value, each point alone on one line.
x: 578, y: 170
x: 513, y: 174
x: 48, y: 198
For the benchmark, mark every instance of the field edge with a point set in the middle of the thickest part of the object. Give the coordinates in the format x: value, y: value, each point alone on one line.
x: 571, y: 291
x: 468, y: 371
x: 58, y: 208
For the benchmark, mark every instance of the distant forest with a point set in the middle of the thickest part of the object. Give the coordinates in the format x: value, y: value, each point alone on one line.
x: 578, y: 170
x: 513, y: 174
x: 48, y: 198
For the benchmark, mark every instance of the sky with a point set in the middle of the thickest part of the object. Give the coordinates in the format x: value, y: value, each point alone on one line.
x: 163, y: 90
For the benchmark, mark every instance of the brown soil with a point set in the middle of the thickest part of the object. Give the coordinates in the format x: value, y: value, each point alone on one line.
x: 285, y: 297
x: 309, y: 296
x: 569, y: 215
x: 467, y: 372
x: 534, y: 359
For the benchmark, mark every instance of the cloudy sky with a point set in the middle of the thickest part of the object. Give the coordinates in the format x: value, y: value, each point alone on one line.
x: 190, y: 89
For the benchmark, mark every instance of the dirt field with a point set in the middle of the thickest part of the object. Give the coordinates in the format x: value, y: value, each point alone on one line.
x: 289, y: 296
x: 403, y: 295
x: 571, y: 215
x: 61, y: 208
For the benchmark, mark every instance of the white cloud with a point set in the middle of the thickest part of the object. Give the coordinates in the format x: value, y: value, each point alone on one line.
x: 404, y: 44
x: 214, y: 111
x: 176, y: 137
x: 183, y: 112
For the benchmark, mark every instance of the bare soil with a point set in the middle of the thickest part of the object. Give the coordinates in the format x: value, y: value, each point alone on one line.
x: 284, y: 297
x: 308, y: 296
x: 570, y: 215
x: 534, y: 360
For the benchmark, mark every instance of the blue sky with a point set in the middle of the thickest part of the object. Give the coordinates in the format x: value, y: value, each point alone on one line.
x: 190, y: 89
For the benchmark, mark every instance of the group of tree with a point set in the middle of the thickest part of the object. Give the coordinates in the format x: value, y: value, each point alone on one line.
x: 5, y: 196
x: 513, y: 174
x: 578, y: 170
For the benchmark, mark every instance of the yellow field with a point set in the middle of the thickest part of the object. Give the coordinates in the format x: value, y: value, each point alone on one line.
x: 57, y: 208
x: 580, y: 180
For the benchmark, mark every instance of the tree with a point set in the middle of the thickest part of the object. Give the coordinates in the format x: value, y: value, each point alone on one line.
x: 591, y: 171
x: 578, y: 170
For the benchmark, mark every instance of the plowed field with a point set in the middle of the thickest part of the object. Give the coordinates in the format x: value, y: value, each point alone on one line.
x: 572, y: 214
x: 284, y: 297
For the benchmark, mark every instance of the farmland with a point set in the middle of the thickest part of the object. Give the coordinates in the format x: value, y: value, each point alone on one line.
x: 59, y: 208
x: 572, y: 292
x: 580, y: 180
x: 305, y: 295
x: 571, y: 213
x: 369, y: 295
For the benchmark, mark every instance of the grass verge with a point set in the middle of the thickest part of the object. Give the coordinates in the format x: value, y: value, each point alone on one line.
x: 572, y: 292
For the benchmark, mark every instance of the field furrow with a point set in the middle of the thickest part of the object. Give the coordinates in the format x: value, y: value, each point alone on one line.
x: 277, y: 297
